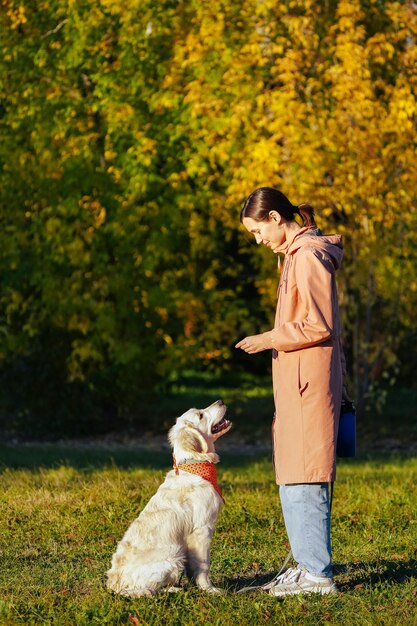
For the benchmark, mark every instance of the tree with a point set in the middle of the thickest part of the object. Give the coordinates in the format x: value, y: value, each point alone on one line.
x: 131, y: 132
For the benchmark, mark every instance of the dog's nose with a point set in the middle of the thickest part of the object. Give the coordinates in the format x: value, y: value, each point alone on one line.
x: 220, y: 402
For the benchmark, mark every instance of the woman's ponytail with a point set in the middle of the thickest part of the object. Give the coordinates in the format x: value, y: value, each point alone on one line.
x: 306, y: 212
x: 265, y: 199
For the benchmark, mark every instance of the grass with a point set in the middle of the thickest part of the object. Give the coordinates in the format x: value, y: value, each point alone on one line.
x: 62, y: 512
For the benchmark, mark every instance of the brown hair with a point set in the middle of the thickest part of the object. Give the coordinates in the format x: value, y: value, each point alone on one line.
x: 266, y: 199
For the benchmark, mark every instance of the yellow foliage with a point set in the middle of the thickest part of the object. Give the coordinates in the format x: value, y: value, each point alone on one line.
x: 17, y: 14
x: 172, y: 113
x: 210, y: 283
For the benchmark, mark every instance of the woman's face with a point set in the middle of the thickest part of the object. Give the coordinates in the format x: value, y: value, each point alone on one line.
x: 271, y: 232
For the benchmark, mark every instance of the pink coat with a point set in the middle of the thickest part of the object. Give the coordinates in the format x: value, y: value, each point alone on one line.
x: 307, y: 360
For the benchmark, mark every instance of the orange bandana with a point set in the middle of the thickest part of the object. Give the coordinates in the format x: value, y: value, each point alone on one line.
x: 205, y: 469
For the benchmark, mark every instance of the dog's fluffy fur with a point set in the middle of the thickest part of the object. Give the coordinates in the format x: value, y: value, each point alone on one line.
x: 174, y: 530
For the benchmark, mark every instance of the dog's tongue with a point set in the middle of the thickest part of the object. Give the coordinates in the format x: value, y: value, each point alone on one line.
x: 220, y: 426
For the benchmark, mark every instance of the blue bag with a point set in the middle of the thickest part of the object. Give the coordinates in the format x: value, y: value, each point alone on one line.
x: 346, y: 436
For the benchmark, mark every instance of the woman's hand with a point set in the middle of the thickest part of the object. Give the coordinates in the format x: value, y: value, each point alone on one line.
x: 253, y: 344
x: 345, y: 395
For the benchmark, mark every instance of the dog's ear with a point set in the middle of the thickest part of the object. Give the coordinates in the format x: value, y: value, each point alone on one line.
x: 191, y: 440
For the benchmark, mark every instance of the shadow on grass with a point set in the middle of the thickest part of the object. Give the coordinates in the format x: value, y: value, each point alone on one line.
x: 91, y: 457
x: 34, y: 457
x: 376, y: 572
x: 353, y: 576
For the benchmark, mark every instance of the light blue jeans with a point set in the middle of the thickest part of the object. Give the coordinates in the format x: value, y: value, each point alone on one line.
x: 306, y: 509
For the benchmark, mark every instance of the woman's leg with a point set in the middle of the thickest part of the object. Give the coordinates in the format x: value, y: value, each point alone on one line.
x: 306, y: 510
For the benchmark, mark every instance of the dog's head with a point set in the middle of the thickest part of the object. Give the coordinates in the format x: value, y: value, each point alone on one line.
x: 195, y: 432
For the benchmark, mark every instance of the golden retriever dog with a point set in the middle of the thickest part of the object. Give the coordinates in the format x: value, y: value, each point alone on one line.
x: 174, y: 530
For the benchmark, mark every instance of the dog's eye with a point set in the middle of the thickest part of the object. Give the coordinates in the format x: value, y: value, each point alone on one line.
x: 201, y: 415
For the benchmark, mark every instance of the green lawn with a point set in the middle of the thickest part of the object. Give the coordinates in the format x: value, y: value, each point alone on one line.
x: 63, y: 511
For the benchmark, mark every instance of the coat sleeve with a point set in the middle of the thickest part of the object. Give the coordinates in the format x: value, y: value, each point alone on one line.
x: 314, y: 275
x: 343, y: 361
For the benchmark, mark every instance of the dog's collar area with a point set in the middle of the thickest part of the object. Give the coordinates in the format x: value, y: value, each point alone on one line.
x: 190, y: 461
x: 205, y: 469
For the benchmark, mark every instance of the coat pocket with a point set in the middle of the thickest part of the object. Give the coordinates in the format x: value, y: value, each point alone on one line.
x: 302, y: 382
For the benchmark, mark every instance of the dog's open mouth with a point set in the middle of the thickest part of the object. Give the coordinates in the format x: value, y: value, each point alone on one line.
x: 222, y: 425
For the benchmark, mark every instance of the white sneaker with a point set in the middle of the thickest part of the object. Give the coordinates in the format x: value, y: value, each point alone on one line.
x: 295, y: 580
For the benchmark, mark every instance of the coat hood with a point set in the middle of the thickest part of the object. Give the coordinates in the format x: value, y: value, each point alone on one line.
x: 313, y: 238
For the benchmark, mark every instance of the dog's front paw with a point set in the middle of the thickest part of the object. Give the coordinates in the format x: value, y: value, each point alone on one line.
x: 137, y: 593
x: 214, y: 590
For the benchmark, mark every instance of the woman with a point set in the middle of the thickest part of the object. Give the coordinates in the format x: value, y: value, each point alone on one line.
x: 308, y: 371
